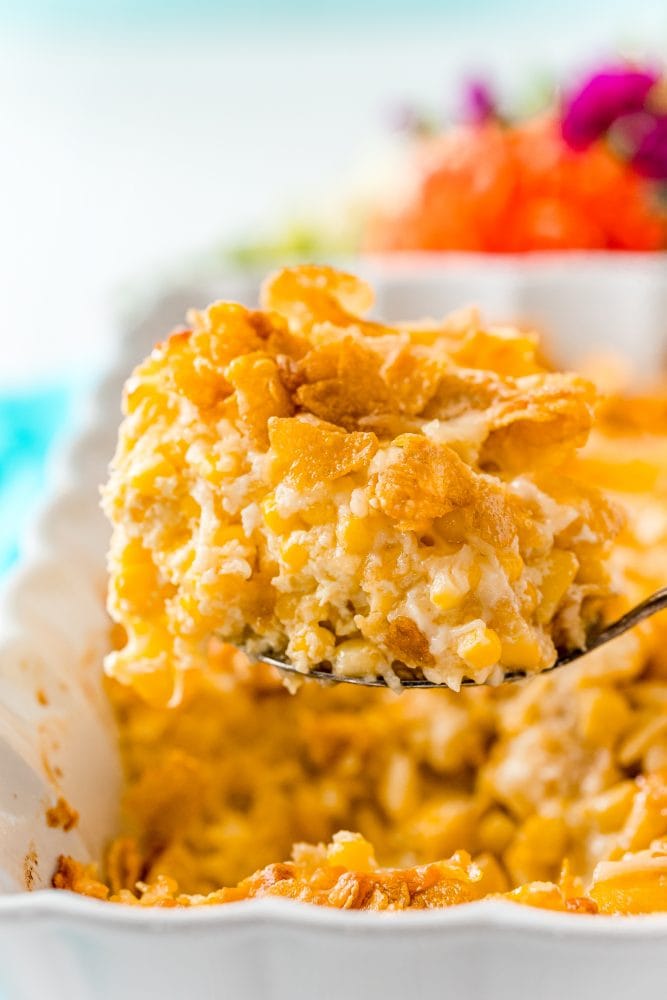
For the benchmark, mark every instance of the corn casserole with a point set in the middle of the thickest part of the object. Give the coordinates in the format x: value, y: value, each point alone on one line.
x: 381, y: 501
x: 551, y: 792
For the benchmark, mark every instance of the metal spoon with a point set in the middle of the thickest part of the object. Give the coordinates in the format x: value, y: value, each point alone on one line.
x: 656, y: 602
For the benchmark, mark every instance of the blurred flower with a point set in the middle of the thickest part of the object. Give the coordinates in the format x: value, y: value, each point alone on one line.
x: 409, y: 119
x: 479, y: 103
x: 650, y: 154
x: 641, y: 139
x: 606, y: 96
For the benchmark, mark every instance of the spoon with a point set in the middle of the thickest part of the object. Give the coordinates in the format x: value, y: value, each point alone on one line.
x: 656, y: 602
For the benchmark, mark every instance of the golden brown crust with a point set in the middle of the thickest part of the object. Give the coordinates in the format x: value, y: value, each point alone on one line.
x: 407, y: 642
x: 318, y: 875
x: 305, y: 454
x: 77, y: 877
x: 325, y: 876
x: 541, y: 424
x: 259, y: 394
x: 422, y: 481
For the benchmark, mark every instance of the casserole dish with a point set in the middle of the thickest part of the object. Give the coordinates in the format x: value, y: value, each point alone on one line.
x: 58, y: 738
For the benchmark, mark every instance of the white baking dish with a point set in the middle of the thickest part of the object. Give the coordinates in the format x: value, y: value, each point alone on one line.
x: 56, y: 736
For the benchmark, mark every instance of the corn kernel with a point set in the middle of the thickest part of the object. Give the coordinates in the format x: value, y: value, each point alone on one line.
x: 155, y: 682
x: 545, y: 836
x: 155, y: 686
x: 645, y: 732
x: 610, y: 808
x: 495, y: 831
x: 442, y: 824
x: 137, y: 582
x: 480, y: 647
x: 294, y: 554
x: 523, y: 652
x: 230, y: 533
x: 143, y: 480
x: 189, y: 507
x: 561, y: 571
x: 317, y: 514
x: 383, y: 601
x: 137, y: 579
x: 537, y: 851
x: 275, y: 520
x: 474, y: 575
x: 603, y: 715
x: 446, y: 598
x: 447, y: 591
x: 493, y: 878
x: 355, y: 535
x: 351, y: 851
x: 316, y: 642
x: 357, y: 658
x: 512, y: 563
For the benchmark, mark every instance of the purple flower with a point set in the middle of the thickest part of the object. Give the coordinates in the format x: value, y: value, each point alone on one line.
x: 650, y: 155
x: 603, y: 98
x: 641, y: 140
x: 479, y: 103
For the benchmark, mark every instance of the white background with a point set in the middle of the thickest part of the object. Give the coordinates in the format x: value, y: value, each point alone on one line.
x: 123, y: 151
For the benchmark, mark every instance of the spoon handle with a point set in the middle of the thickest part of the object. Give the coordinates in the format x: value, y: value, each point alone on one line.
x: 656, y: 602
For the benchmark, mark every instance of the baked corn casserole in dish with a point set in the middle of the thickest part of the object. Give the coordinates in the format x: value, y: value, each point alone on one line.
x: 301, y: 479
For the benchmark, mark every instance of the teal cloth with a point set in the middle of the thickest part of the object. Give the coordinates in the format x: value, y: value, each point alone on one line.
x: 30, y: 423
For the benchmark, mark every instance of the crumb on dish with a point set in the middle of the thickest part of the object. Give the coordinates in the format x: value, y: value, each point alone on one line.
x: 62, y: 815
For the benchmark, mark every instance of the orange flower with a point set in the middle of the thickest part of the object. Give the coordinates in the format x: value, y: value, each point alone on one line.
x: 518, y: 189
